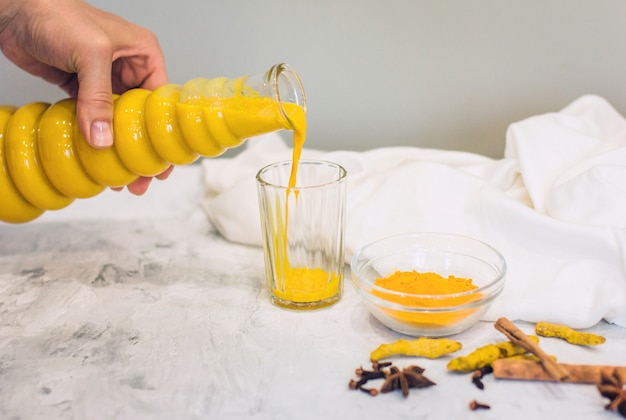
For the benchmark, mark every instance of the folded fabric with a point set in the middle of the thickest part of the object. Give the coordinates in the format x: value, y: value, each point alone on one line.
x: 555, y: 206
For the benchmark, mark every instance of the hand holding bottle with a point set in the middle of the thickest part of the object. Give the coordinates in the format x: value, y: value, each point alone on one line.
x: 46, y: 162
x: 89, y: 53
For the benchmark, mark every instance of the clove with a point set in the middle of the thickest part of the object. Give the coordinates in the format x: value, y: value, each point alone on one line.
x: 475, y: 405
x: 358, y: 385
x: 369, y: 374
x: 478, y: 375
x: 405, y: 379
x: 380, y: 365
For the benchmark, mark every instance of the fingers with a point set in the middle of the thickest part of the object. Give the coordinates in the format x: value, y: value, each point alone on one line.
x: 149, y: 70
x: 94, y: 107
x: 165, y: 174
x: 90, y: 54
x: 137, y: 187
x: 118, y: 56
x: 141, y: 184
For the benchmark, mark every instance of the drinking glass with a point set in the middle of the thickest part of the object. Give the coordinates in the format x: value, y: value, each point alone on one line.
x: 303, y: 232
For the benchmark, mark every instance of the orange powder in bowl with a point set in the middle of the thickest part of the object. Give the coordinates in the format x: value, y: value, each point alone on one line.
x: 416, y: 283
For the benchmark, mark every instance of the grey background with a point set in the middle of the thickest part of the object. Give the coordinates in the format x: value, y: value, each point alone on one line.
x: 439, y: 74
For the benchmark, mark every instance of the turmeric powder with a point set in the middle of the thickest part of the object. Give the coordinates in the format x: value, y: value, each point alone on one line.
x: 431, y: 348
x: 570, y: 335
x: 434, y: 287
x: 425, y: 283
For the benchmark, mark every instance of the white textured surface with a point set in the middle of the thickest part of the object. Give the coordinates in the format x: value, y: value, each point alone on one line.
x: 134, y: 308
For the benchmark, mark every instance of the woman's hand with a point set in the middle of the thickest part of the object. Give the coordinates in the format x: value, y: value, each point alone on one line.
x: 89, y: 53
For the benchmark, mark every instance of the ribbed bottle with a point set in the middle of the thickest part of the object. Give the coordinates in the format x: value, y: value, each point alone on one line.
x: 46, y: 163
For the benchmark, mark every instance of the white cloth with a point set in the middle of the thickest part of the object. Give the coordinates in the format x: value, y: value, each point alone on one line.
x: 555, y: 206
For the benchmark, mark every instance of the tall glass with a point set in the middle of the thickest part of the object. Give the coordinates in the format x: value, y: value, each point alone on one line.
x: 303, y: 232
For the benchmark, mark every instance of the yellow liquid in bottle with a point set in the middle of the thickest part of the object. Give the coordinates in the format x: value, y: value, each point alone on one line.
x: 45, y: 162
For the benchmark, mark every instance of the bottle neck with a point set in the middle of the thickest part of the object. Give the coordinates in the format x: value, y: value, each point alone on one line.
x: 285, y: 87
x: 235, y: 109
x: 281, y: 84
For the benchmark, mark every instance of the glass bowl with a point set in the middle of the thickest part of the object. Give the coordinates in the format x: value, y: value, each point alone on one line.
x: 445, y: 254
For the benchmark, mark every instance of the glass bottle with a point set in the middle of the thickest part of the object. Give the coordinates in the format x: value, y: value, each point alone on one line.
x: 45, y: 162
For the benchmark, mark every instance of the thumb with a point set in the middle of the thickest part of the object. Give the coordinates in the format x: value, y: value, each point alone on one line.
x: 94, y: 106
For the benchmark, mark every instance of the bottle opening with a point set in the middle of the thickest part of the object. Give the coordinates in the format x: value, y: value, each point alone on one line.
x: 287, y: 87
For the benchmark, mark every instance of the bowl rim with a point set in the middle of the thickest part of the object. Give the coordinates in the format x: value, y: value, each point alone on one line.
x: 497, y: 284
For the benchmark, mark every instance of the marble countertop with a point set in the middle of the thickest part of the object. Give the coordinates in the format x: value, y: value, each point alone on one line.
x: 136, y: 308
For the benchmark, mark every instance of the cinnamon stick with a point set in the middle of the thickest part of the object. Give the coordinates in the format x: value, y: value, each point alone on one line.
x: 519, y: 338
x: 534, y: 371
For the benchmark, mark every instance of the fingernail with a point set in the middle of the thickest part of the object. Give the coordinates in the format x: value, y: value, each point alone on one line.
x: 101, y: 134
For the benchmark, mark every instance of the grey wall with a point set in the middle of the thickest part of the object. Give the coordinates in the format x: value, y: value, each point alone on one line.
x: 447, y: 74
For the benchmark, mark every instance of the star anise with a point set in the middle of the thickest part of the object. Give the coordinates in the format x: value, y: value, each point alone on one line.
x: 409, y: 377
x: 611, y: 386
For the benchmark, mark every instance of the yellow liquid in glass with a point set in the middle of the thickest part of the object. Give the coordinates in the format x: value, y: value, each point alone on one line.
x: 300, y: 285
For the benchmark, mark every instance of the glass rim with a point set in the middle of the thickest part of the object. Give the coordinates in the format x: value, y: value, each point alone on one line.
x: 342, y: 174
